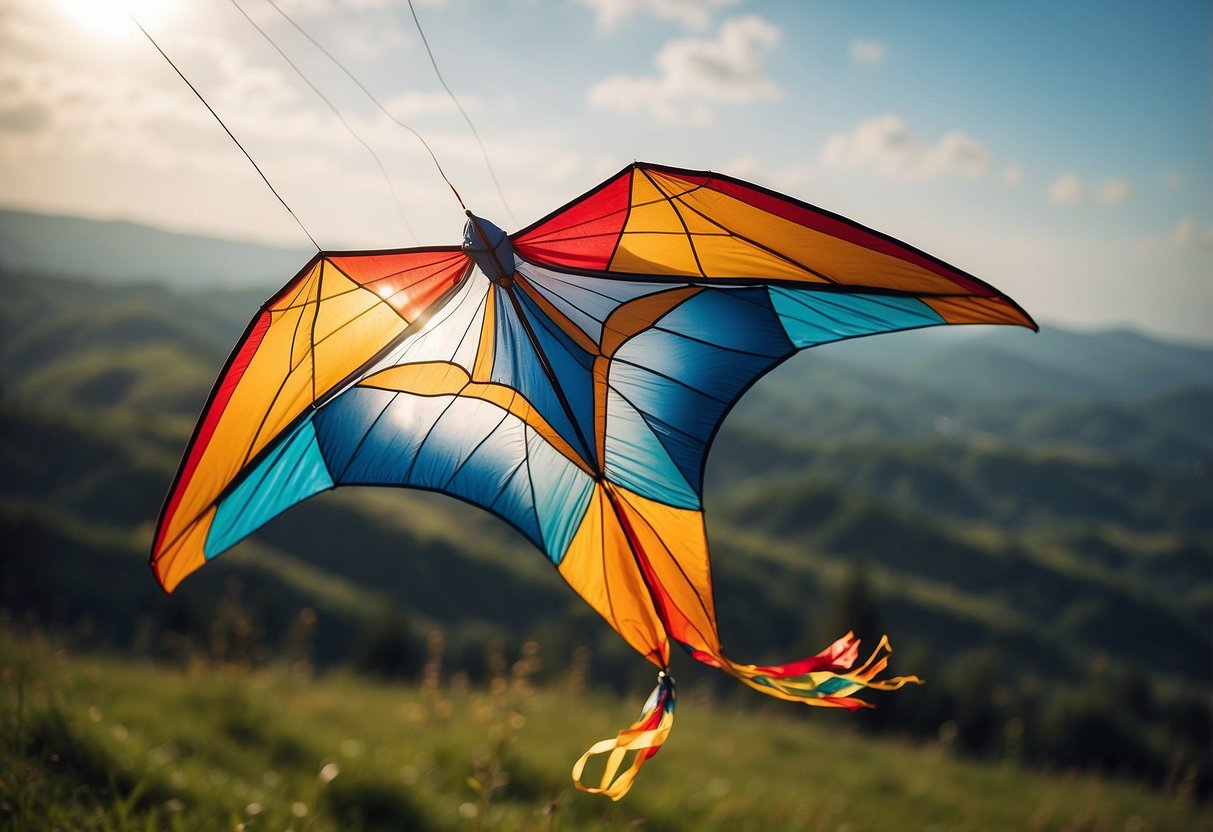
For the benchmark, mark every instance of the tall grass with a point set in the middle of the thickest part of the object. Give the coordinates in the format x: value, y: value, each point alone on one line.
x: 98, y: 743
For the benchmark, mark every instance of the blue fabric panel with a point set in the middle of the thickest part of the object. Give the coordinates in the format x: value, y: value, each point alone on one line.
x: 685, y: 373
x: 735, y: 319
x: 562, y: 492
x: 488, y: 478
x: 516, y: 365
x: 293, y: 471
x: 637, y: 460
x: 497, y: 256
x: 462, y: 429
x: 570, y: 363
x: 460, y: 446
x: 815, y: 317
x: 385, y: 453
x: 516, y: 504
x: 588, y: 301
x: 834, y: 685
x: 342, y: 424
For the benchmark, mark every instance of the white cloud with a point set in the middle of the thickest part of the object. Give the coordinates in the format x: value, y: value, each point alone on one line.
x: 1012, y: 176
x: 866, y: 52
x: 887, y: 144
x: 790, y: 179
x: 1188, y: 234
x: 1114, y: 192
x: 1069, y: 189
x: 696, y: 71
x: 692, y: 14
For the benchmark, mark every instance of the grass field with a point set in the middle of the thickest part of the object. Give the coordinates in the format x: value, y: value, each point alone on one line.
x: 99, y: 743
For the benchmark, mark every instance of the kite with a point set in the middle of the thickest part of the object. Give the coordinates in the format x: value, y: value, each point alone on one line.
x: 568, y: 378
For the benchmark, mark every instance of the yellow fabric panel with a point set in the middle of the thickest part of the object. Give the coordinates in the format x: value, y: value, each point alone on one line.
x: 836, y: 260
x: 483, y: 368
x: 654, y: 241
x: 278, y: 384
x: 185, y: 554
x: 352, y: 324
x: 601, y: 568
x: 674, y: 543
x: 235, y: 438
x: 638, y: 315
x: 601, y: 375
x: 973, y: 310
x: 441, y: 378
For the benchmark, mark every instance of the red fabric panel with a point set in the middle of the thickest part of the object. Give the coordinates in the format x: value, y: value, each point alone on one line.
x: 214, y: 412
x: 582, y: 235
x: 410, y: 281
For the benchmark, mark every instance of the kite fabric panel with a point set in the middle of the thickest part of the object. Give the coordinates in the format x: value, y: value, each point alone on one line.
x: 568, y: 378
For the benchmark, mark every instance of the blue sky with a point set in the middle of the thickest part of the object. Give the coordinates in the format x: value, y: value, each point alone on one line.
x: 1062, y: 151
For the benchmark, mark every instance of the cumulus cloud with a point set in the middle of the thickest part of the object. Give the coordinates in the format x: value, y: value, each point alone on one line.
x: 692, y: 14
x: 792, y: 178
x: 1012, y: 176
x: 1114, y: 191
x: 1187, y: 233
x: 1070, y: 189
x: 311, y: 8
x: 1067, y: 189
x: 866, y: 52
x: 695, y: 72
x: 886, y: 144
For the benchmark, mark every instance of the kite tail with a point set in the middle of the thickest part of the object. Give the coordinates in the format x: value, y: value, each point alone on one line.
x: 644, y: 737
x: 825, y: 680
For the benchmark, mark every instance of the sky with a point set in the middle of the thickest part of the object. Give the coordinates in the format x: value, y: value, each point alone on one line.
x: 1062, y: 151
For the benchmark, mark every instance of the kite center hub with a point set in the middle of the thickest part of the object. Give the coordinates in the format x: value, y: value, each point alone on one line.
x: 490, y: 249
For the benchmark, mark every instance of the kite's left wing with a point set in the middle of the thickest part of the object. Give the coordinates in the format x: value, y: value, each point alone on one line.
x: 306, y: 344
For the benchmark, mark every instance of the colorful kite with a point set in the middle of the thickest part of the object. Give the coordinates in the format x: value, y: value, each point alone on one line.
x: 568, y: 378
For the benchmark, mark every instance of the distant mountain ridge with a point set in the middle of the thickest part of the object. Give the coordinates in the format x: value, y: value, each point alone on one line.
x: 121, y: 251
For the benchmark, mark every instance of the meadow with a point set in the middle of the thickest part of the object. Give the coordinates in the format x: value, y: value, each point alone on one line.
x: 98, y: 743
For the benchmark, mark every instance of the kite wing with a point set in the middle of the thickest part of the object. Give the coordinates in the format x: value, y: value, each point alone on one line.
x: 568, y: 378
x: 304, y: 346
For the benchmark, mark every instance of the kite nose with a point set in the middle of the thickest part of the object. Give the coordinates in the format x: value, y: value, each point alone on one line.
x: 489, y: 247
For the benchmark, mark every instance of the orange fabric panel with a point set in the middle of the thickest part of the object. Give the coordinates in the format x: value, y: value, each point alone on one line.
x: 821, y: 257
x: 600, y: 567
x: 672, y: 546
x: 483, y: 368
x: 654, y: 240
x: 638, y: 315
x: 184, y: 554
x: 974, y: 310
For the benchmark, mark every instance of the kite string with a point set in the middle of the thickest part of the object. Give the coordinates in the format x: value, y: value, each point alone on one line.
x: 230, y: 135
x: 336, y: 112
x: 373, y: 100
x: 483, y: 152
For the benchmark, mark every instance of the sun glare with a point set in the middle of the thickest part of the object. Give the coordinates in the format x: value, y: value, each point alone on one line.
x: 113, y: 17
